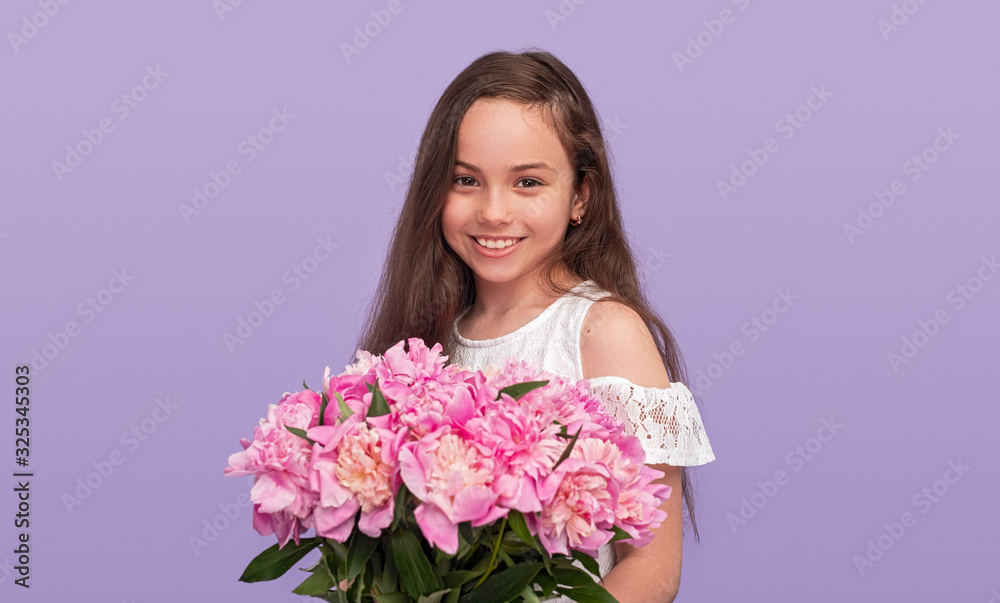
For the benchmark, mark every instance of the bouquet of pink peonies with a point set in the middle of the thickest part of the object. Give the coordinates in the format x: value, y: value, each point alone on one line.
x: 432, y: 482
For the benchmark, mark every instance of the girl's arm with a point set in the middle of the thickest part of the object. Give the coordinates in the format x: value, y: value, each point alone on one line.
x: 614, y: 341
x: 652, y: 572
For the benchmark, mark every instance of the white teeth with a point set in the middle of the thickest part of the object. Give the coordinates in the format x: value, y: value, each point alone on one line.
x: 500, y: 244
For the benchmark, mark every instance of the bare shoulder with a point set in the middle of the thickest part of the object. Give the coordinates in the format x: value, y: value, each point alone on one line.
x: 614, y: 341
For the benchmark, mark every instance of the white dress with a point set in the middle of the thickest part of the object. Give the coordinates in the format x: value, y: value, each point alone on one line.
x: 666, y: 420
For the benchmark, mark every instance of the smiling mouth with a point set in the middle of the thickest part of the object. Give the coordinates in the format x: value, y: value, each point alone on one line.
x: 497, y: 243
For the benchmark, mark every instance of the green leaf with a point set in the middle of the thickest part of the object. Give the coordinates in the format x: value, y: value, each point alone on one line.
x: 345, y: 410
x: 304, y: 384
x: 528, y: 594
x: 465, y: 531
x: 379, y: 406
x: 301, y: 433
x: 312, y: 568
x: 361, y: 586
x: 519, y: 389
x: 620, y: 534
x: 456, y: 578
x: 572, y: 576
x: 546, y: 582
x: 504, y: 586
x: 569, y: 448
x: 360, y: 551
x: 390, y: 576
x: 591, y: 593
x: 274, y: 562
x: 339, y: 552
x: 517, y: 523
x: 415, y: 570
x: 322, y: 407
x: 588, y: 562
x: 393, y: 598
x: 434, y: 597
x: 505, y: 557
x: 318, y: 583
x: 399, y: 510
x: 580, y: 586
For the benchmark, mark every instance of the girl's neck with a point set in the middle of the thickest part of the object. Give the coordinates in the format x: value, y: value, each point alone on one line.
x: 527, y: 295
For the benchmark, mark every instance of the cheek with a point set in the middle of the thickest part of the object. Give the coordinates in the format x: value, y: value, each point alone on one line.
x: 551, y: 217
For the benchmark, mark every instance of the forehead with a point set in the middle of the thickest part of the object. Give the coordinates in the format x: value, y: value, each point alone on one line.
x: 501, y: 132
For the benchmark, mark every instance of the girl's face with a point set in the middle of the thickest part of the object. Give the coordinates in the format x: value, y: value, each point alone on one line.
x: 512, y: 196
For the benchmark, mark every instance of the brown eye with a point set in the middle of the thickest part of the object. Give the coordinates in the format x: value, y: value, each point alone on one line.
x: 465, y: 181
x: 529, y: 182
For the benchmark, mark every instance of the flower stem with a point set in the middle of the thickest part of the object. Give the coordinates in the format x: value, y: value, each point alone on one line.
x: 493, y: 559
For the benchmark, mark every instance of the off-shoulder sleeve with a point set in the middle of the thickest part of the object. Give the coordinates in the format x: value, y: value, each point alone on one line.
x: 666, y: 420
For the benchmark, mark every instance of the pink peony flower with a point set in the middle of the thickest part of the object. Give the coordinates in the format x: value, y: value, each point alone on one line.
x: 415, y: 364
x: 452, y: 478
x: 422, y: 393
x: 354, y: 467
x: 279, y: 460
x: 580, y: 501
x: 465, y: 452
x: 525, y: 444
x: 366, y: 360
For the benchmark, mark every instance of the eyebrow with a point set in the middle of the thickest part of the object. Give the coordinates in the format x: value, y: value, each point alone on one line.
x: 541, y: 165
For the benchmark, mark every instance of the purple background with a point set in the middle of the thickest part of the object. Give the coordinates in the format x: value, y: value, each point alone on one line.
x: 711, y: 265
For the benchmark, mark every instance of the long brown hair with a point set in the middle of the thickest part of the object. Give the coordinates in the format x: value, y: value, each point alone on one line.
x: 425, y: 285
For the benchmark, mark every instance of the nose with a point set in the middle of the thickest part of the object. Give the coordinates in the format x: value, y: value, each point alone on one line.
x: 494, y: 207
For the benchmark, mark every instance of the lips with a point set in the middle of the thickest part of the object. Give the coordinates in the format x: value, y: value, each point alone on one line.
x: 499, y: 248
x: 496, y: 242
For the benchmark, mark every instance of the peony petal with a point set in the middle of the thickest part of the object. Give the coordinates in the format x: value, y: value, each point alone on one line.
x: 472, y: 503
x: 335, y: 522
x: 372, y: 523
x: 412, y: 473
x: 436, y: 528
x: 271, y: 496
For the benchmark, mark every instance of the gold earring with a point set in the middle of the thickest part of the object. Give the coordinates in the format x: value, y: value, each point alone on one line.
x: 576, y: 221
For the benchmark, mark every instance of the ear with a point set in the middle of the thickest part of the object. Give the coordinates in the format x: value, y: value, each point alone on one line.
x: 582, y: 197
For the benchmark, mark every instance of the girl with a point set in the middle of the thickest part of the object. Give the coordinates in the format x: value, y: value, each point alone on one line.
x: 510, y: 243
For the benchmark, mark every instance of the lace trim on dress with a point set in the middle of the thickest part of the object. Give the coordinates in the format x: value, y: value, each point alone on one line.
x: 666, y: 420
